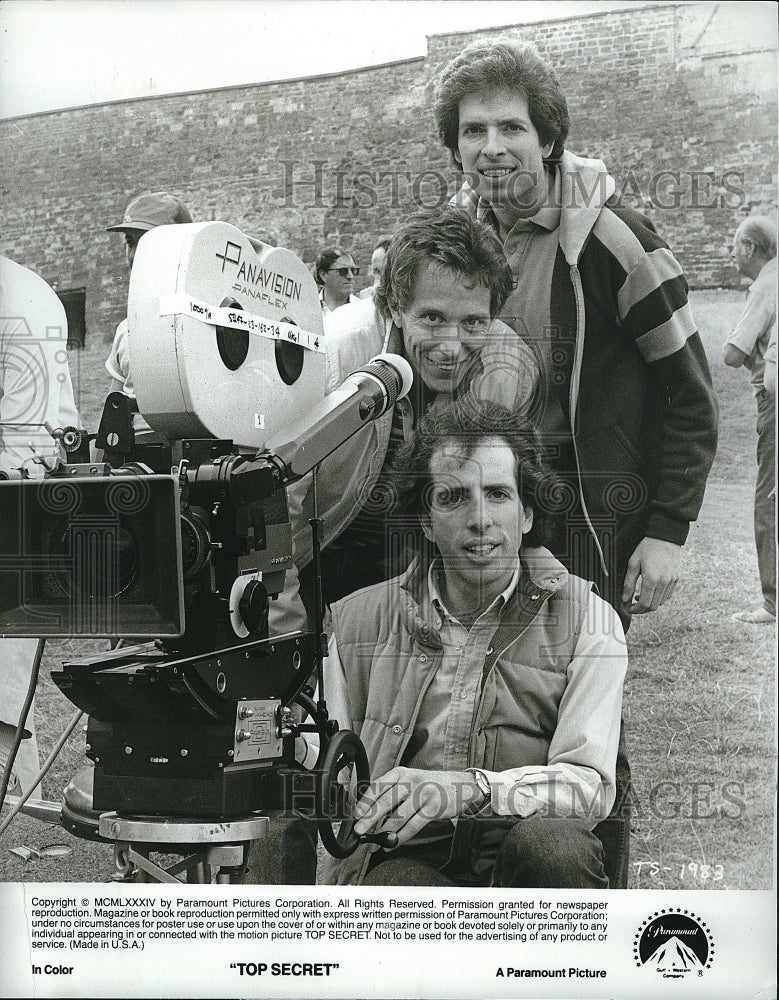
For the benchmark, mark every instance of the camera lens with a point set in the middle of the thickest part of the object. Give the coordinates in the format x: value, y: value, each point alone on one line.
x: 195, y: 543
x: 91, y: 560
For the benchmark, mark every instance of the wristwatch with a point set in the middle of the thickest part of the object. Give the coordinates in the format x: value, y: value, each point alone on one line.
x: 483, y: 784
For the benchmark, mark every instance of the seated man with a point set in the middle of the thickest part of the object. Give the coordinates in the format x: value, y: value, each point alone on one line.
x: 485, y: 682
x: 444, y: 280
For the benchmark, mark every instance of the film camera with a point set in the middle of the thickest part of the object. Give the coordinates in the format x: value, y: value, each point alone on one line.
x: 181, y: 537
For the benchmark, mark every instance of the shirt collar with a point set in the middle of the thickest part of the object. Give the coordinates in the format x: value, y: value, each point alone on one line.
x: 326, y: 310
x: 437, y: 602
x: 547, y: 217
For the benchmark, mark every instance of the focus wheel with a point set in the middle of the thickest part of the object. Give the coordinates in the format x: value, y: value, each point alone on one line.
x: 344, y: 750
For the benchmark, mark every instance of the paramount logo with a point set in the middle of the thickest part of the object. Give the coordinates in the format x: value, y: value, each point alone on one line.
x: 674, y: 956
x: 674, y: 944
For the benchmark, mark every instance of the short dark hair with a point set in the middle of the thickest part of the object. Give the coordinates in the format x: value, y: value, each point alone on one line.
x: 486, y: 65
x: 450, y: 237
x: 326, y: 259
x: 468, y: 422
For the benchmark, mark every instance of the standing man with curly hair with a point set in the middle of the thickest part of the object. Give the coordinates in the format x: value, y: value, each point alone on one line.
x: 629, y: 417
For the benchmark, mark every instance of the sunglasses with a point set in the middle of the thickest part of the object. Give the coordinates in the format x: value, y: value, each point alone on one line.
x: 345, y: 272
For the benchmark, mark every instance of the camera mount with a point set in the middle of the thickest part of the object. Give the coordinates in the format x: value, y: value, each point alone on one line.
x: 227, y: 351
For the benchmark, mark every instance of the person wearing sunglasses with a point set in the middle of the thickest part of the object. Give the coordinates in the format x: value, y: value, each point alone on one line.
x: 335, y: 272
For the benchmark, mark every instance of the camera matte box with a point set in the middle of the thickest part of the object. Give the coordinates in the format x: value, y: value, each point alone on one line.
x: 91, y: 556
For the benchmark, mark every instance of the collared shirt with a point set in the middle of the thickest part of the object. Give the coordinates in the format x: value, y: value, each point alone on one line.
x: 753, y: 330
x: 326, y: 310
x: 442, y: 732
x: 578, y: 779
x: 531, y: 249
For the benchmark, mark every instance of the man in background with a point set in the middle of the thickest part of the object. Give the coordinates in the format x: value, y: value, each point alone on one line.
x: 377, y: 263
x: 35, y: 389
x: 754, y: 254
x: 334, y: 273
x: 147, y: 211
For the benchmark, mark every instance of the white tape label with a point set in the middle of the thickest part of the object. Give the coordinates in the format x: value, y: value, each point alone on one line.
x: 181, y: 304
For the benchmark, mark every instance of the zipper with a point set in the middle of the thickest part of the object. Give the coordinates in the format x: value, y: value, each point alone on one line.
x: 573, y: 401
x: 480, y: 700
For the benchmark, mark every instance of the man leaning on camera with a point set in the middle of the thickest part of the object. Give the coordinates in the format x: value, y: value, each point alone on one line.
x: 485, y: 682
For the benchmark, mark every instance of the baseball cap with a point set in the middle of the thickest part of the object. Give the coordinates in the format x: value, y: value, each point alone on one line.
x: 154, y: 208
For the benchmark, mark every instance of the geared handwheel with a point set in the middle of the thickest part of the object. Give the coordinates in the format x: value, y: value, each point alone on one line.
x: 343, y: 751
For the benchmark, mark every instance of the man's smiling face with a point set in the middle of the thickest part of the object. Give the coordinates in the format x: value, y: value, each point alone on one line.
x: 500, y: 151
x: 444, y: 326
x: 476, y: 518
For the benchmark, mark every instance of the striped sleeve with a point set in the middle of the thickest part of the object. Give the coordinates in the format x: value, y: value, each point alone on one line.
x: 652, y: 299
x: 653, y: 309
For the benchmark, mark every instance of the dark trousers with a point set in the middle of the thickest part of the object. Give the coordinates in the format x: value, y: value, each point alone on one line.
x: 765, y: 499
x: 535, y: 852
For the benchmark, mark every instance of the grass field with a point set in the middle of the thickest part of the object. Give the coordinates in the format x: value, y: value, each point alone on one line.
x: 699, y: 699
x: 700, y: 696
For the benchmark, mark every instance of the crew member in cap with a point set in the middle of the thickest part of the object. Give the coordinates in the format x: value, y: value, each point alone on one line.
x: 147, y: 211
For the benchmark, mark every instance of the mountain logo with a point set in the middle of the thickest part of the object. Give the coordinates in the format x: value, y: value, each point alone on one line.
x: 674, y: 943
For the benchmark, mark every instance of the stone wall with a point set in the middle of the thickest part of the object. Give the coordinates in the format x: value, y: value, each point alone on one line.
x: 680, y: 102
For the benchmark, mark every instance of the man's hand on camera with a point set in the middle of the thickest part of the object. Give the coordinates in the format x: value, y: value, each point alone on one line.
x: 406, y: 799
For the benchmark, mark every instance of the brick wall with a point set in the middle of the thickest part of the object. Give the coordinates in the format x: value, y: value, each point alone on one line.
x: 678, y: 101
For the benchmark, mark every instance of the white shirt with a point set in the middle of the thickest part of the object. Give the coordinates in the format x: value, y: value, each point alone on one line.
x: 118, y: 361
x: 753, y: 330
x: 326, y: 310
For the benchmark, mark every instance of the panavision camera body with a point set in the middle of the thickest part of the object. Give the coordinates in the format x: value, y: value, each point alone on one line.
x: 177, y: 539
